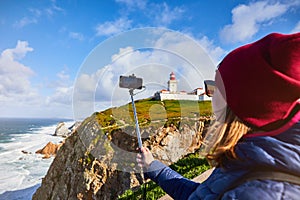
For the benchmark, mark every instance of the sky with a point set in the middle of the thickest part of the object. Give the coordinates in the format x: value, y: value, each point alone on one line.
x: 62, y: 59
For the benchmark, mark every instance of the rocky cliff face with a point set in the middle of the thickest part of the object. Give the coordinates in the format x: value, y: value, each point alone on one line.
x: 94, y: 164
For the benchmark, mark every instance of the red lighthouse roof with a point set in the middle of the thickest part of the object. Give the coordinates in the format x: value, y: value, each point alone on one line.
x: 172, y: 76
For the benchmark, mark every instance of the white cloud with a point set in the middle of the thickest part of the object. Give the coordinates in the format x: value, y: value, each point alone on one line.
x: 63, y: 90
x: 247, y: 19
x: 296, y: 28
x: 171, y: 52
x: 19, y: 98
x: 35, y: 12
x: 62, y: 95
x: 132, y: 4
x: 215, y: 52
x: 34, y: 15
x: 24, y: 22
x: 113, y: 27
x: 159, y: 14
x: 14, y: 76
x: 77, y: 36
x: 87, y: 83
x: 63, y: 76
x: 164, y: 15
x: 51, y: 10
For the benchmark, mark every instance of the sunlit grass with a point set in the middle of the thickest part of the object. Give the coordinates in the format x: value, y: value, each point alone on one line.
x: 152, y: 111
x: 190, y: 167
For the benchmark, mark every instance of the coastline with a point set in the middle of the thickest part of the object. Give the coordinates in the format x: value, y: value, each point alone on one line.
x: 21, y: 194
x: 24, y: 169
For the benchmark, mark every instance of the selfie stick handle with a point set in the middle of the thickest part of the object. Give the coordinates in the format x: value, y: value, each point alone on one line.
x: 138, y: 134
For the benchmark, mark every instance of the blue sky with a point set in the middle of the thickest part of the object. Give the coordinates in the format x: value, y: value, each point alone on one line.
x: 45, y: 45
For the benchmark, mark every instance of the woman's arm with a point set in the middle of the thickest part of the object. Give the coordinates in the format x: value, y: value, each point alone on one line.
x: 170, y: 181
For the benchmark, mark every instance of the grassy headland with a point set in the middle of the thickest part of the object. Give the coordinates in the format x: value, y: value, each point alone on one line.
x: 153, y: 112
x: 159, y: 113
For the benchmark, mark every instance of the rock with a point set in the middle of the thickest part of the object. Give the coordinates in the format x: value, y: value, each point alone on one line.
x: 25, y: 152
x: 170, y: 144
x: 61, y: 130
x: 46, y: 156
x: 74, y: 127
x: 49, y: 150
x: 94, y: 164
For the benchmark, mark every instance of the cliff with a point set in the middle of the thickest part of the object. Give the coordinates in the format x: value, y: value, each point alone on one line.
x: 99, y: 163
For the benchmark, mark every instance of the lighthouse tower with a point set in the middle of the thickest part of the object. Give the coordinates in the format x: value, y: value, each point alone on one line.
x: 172, y: 83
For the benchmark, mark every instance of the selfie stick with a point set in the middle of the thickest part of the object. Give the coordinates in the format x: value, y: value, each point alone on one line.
x: 138, y: 134
x: 137, y: 128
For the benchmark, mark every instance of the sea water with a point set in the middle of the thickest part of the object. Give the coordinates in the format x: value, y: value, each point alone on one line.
x: 21, y: 169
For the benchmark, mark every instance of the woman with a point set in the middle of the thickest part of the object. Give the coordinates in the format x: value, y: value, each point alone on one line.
x: 254, y: 144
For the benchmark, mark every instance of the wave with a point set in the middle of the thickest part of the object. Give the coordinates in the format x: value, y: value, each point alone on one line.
x: 22, y: 166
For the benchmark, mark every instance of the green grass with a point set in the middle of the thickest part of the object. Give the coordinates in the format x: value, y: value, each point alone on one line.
x: 190, y: 167
x: 151, y: 112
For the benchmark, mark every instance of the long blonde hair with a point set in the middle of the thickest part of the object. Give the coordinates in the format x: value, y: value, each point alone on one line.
x: 221, y: 138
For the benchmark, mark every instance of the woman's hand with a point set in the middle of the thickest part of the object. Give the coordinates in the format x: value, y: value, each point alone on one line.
x: 145, y: 158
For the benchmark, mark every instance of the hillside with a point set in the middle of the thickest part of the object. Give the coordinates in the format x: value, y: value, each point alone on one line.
x: 153, y: 112
x: 100, y: 156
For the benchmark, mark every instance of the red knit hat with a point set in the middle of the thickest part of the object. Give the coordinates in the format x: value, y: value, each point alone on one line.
x: 261, y: 81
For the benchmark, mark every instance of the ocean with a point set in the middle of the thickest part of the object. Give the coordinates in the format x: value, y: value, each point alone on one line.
x: 21, y: 169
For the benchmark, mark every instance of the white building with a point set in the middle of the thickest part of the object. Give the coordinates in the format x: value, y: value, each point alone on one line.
x: 172, y: 93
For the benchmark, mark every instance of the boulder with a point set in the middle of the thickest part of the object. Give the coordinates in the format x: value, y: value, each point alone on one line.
x: 49, y: 150
x: 25, y: 152
x: 62, y: 130
x: 74, y: 127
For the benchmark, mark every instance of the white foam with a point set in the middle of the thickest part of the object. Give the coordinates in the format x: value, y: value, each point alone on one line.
x: 19, y: 170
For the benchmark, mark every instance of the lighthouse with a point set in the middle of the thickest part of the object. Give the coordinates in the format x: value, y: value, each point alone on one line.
x: 172, y: 83
x: 172, y: 93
